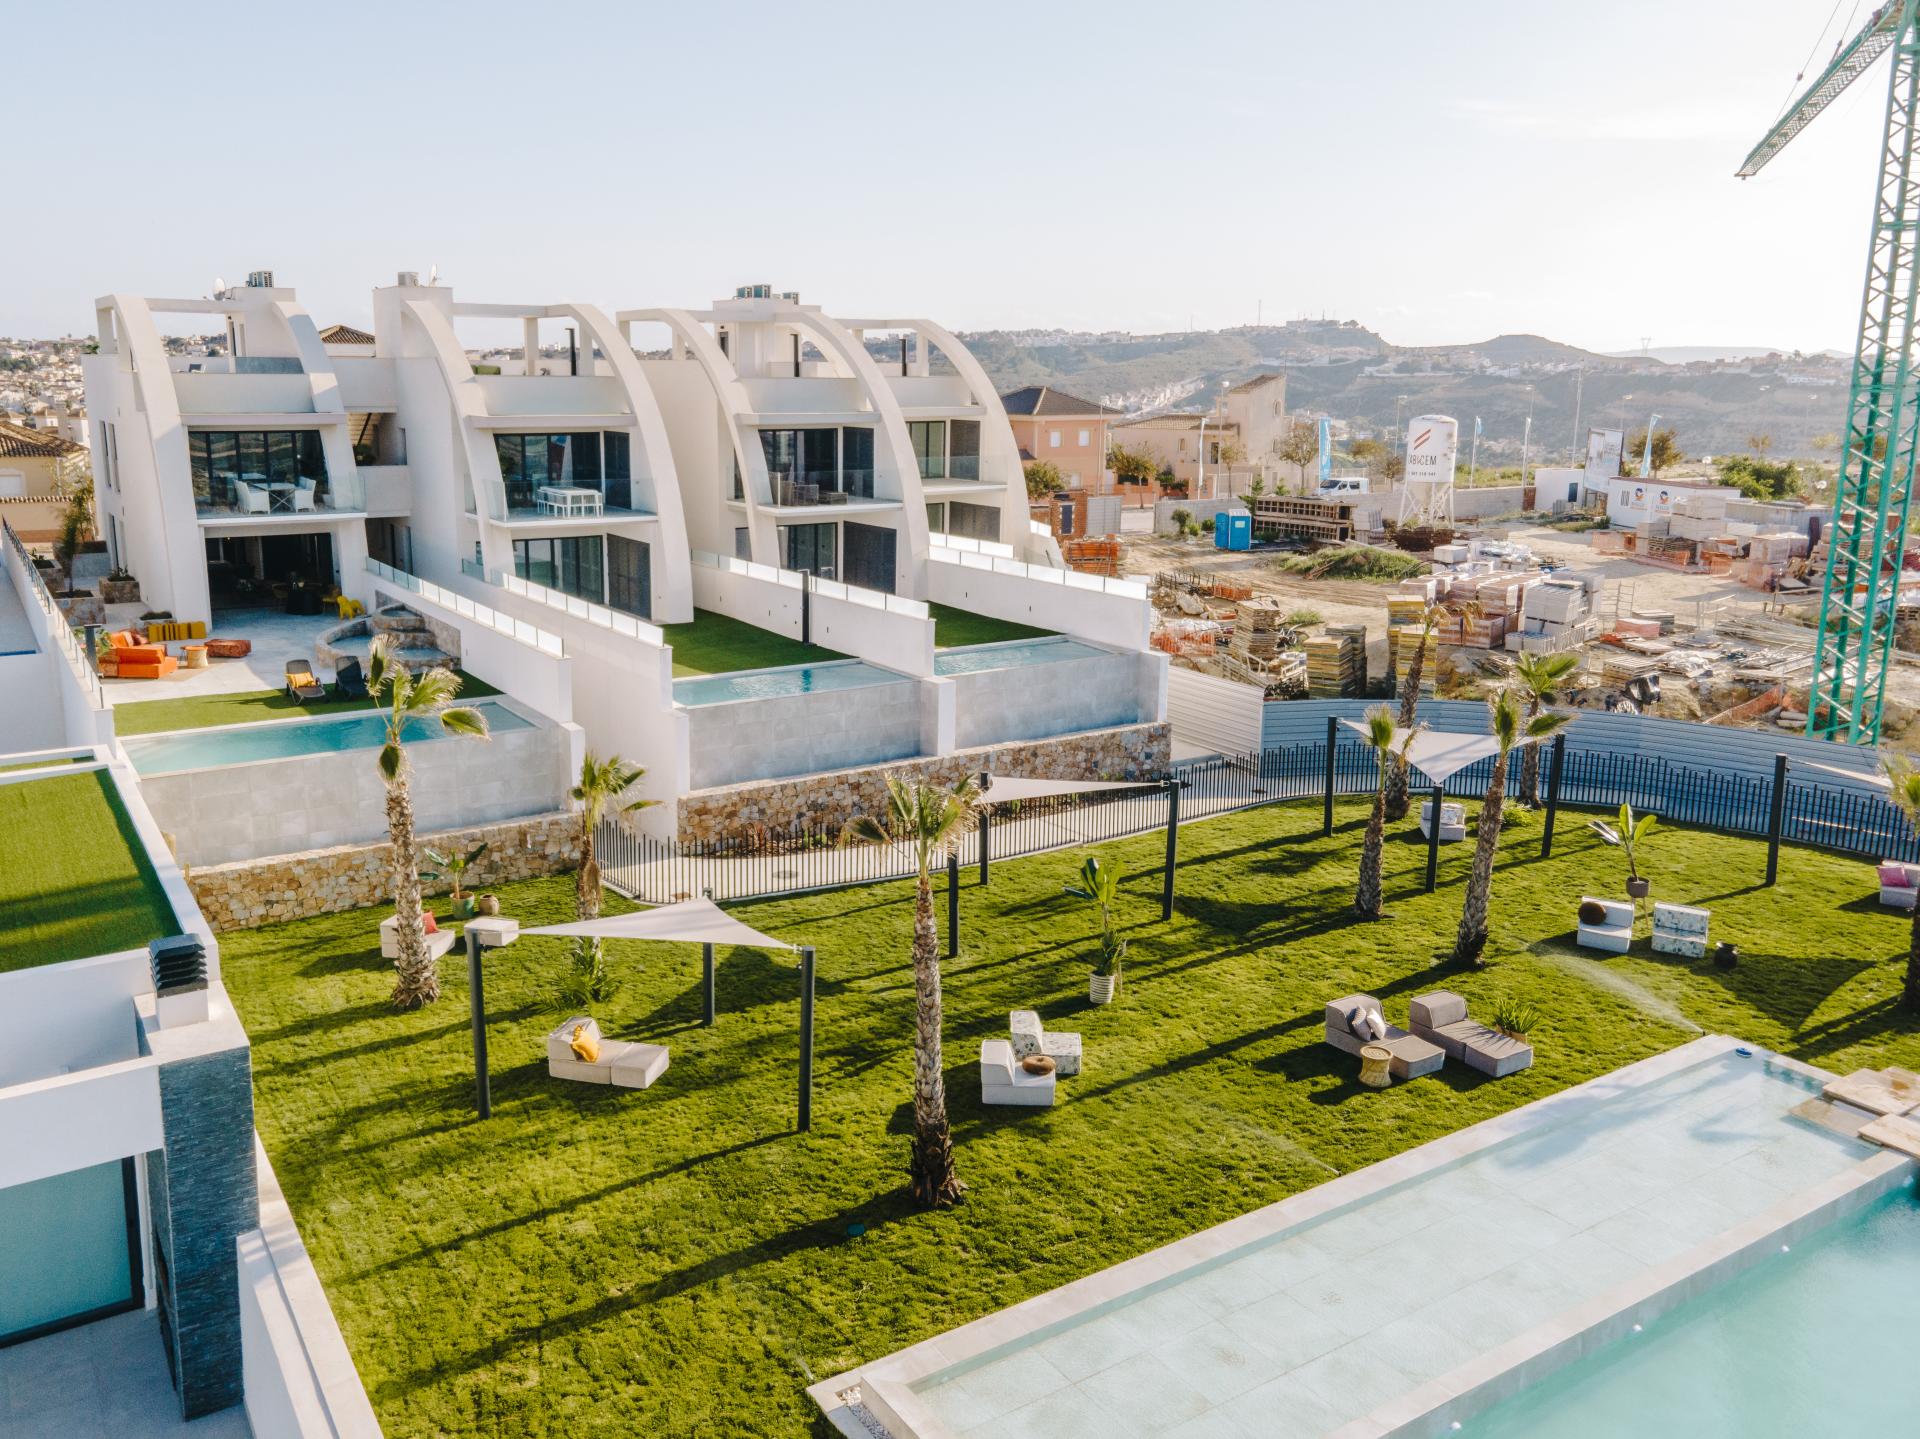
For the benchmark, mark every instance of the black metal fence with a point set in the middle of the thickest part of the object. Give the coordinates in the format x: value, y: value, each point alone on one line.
x: 767, y: 863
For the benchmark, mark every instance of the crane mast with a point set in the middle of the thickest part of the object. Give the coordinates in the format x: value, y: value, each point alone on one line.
x: 1866, y: 540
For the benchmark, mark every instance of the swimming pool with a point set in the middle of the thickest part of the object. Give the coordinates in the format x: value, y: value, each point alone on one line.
x: 1394, y: 1281
x: 1012, y: 654
x: 780, y: 683
x: 1815, y: 1341
x: 215, y: 747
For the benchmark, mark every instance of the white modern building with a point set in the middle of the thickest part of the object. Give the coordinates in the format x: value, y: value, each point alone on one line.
x: 754, y: 463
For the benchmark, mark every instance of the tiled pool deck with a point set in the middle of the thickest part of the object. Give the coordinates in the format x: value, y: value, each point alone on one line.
x: 1405, y: 1295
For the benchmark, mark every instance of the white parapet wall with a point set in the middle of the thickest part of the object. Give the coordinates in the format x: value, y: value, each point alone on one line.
x: 1101, y: 689
x: 1089, y: 607
x: 81, y: 715
x: 882, y: 629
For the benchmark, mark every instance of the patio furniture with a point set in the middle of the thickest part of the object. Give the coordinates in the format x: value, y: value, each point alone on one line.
x: 1441, y: 1018
x: 568, y: 500
x: 349, y: 608
x: 349, y: 683
x: 252, y: 501
x: 439, y: 941
x: 1899, y: 884
x: 1410, y: 1055
x: 301, y: 685
x: 1680, y: 929
x: 1004, y: 1081
x: 135, y: 659
x: 1030, y: 1039
x: 576, y: 1051
x: 1605, y: 924
x: 1376, y: 1066
x: 229, y: 649
x: 196, y: 656
x: 279, y: 496
x: 1453, y: 821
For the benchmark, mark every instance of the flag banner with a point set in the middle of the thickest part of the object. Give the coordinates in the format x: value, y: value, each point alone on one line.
x: 1326, y: 449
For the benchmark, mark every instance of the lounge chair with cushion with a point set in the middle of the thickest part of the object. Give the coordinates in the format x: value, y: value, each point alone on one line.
x: 349, y: 683
x: 1030, y: 1039
x: 1356, y: 1021
x: 576, y: 1051
x: 133, y: 658
x: 1441, y: 1018
x: 439, y: 941
x: 1006, y: 1080
x: 301, y: 685
x: 1453, y: 821
x: 1605, y: 924
x: 1899, y: 884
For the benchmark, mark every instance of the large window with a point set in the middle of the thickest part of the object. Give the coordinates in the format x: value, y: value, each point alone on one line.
x: 629, y: 576
x: 870, y: 556
x: 856, y: 461
x: 574, y: 565
x: 595, y: 460
x: 964, y: 461
x: 803, y: 465
x: 271, y: 465
x: 71, y: 1250
x: 930, y: 447
x: 809, y: 547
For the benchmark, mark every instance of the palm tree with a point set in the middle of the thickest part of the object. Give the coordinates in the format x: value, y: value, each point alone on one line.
x: 926, y: 818
x: 602, y: 783
x: 1389, y: 744
x: 1398, y: 799
x: 411, y: 699
x: 1905, y: 780
x: 1540, y: 677
x: 1510, y: 726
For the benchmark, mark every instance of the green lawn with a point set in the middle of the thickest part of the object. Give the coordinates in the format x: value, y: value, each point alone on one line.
x: 962, y: 627
x: 678, y: 1261
x: 74, y: 879
x: 206, y: 711
x: 712, y: 644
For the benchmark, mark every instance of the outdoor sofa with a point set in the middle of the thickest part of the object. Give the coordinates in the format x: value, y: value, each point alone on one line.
x: 1441, y: 1018
x: 1029, y: 1039
x: 1605, y: 924
x: 1412, y: 1055
x: 1899, y: 883
x: 439, y: 941
x: 1453, y: 821
x: 576, y: 1051
x: 1003, y: 1080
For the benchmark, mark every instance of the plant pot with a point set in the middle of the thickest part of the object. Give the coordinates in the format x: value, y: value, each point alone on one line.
x: 120, y: 592
x: 1725, y: 956
x: 1101, y: 988
x: 81, y: 607
x: 489, y: 904
x: 1638, y: 888
x: 464, y: 907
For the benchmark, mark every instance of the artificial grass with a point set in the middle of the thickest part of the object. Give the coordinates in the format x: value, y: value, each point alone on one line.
x: 715, y: 644
x: 207, y: 711
x: 74, y: 878
x: 963, y: 627
x: 678, y: 1261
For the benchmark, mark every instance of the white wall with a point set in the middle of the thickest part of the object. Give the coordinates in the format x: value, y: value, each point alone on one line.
x: 1108, y: 612
x: 80, y: 714
x: 1068, y: 696
x: 60, y: 1017
x: 71, y: 1121
x: 882, y: 629
x: 754, y: 594
x: 1215, y: 714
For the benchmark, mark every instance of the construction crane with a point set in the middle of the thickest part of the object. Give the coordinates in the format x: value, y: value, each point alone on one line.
x: 1867, y: 539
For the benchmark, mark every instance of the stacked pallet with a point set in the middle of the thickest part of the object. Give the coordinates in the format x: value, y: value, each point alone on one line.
x: 1258, y: 634
x: 1302, y: 517
x: 1405, y: 610
x: 1092, y: 557
x: 1403, y: 643
x: 1482, y: 631
x: 1337, y: 664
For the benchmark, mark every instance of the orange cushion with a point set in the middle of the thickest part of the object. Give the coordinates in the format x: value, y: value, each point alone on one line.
x: 140, y: 654
x: 148, y: 669
x: 124, y: 640
x: 427, y: 924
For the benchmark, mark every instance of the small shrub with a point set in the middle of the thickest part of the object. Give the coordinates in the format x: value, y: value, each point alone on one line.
x: 1354, y: 562
x: 1515, y: 1017
x: 1303, y: 618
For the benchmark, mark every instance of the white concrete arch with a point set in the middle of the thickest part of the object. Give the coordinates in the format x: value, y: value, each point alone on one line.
x: 484, y: 480
x: 999, y: 454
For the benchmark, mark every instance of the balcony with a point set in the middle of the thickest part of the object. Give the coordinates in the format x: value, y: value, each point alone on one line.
x: 804, y: 489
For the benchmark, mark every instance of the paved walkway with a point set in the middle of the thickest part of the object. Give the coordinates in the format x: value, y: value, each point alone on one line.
x: 107, y: 1378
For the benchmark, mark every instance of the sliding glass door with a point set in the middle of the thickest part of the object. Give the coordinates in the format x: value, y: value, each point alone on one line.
x: 809, y: 547
x: 69, y: 1250
x: 574, y: 565
x: 630, y: 576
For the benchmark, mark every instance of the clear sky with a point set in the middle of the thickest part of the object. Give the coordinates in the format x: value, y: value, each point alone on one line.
x: 1439, y: 172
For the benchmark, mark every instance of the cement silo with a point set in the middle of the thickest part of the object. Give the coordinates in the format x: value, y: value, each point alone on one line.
x: 1433, y: 448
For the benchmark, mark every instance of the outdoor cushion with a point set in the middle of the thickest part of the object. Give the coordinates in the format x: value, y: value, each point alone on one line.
x: 1435, y: 1011
x: 1357, y: 1022
x: 427, y: 923
x: 1024, y: 1025
x: 1376, y: 1025
x: 1893, y: 875
x: 1592, y: 912
x: 586, y: 1046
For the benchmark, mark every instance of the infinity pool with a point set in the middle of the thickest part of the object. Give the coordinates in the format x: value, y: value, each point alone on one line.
x: 972, y: 659
x: 780, y: 683
x: 1319, y: 1325
x: 287, y: 739
x: 1817, y: 1341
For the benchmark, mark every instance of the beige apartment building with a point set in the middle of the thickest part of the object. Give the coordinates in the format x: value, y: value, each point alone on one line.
x: 1069, y: 432
x: 1223, y: 450
x: 35, y: 467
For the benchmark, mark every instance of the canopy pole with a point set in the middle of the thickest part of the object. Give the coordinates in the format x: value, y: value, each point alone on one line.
x: 1776, y: 817
x: 1333, y: 740
x: 1553, y: 794
x: 806, y: 1038
x: 706, y: 982
x: 477, y: 1003
x: 953, y: 903
x: 1173, y: 848
x: 986, y: 816
x: 1433, y: 836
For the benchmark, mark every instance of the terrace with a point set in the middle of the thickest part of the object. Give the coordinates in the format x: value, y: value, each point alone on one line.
x: 681, y: 1261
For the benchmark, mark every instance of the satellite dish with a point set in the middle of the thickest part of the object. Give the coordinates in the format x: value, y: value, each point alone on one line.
x: 219, y: 285
x: 433, y: 274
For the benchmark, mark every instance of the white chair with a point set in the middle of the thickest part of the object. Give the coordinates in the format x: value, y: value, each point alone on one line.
x: 438, y: 943
x: 1899, y: 884
x: 1453, y: 821
x: 621, y: 1064
x: 1613, y: 931
x: 1030, y: 1039
x: 252, y: 501
x: 1680, y: 929
x: 1004, y: 1081
x: 303, y: 495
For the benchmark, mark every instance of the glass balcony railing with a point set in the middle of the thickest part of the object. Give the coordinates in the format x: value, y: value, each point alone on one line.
x: 820, y: 487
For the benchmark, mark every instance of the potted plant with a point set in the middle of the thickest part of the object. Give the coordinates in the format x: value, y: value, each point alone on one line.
x: 120, y: 588
x: 1100, y: 886
x: 1627, y: 835
x: 452, y: 866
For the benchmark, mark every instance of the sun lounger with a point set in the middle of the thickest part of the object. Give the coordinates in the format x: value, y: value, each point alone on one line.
x: 1412, y: 1055
x: 1899, y: 884
x: 617, y: 1062
x: 1441, y: 1018
x: 301, y: 685
x: 349, y: 683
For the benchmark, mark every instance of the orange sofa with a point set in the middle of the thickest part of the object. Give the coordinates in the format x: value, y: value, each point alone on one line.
x: 133, y: 659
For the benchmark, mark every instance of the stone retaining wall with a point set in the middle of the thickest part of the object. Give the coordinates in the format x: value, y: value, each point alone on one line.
x: 827, y: 801
x: 247, y: 893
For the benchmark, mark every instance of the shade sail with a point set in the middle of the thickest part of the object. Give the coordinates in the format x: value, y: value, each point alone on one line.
x: 691, y: 921
x: 1439, y: 756
x: 1000, y: 788
x: 1876, y: 778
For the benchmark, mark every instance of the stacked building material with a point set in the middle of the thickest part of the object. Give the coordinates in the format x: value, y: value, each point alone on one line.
x: 1337, y: 664
x: 1628, y: 628
x: 1302, y: 517
x: 1663, y: 618
x: 1092, y: 557
x: 1422, y: 588
x: 1483, y: 631
x: 1258, y: 634
x: 1405, y: 610
x: 1556, y: 614
x: 1403, y: 642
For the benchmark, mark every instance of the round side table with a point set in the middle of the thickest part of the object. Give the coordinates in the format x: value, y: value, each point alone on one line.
x: 1376, y: 1062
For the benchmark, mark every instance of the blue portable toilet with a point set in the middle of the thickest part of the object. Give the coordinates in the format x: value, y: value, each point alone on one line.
x: 1233, y: 530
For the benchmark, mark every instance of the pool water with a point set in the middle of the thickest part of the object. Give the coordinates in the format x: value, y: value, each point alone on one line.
x: 287, y: 739
x: 780, y: 683
x: 1312, y: 1328
x: 1818, y: 1341
x: 973, y: 659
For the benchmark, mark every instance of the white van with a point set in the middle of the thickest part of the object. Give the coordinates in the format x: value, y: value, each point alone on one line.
x: 1342, y: 487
